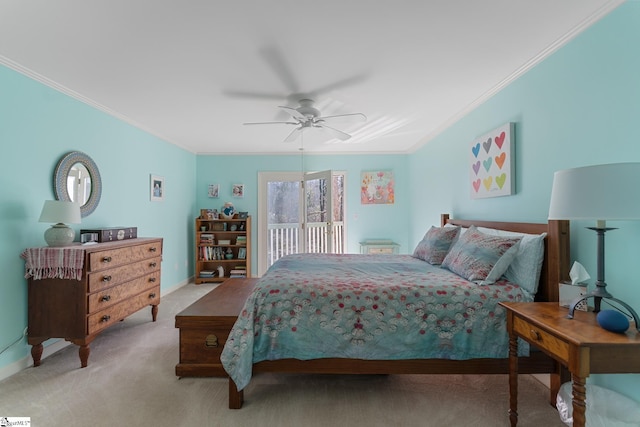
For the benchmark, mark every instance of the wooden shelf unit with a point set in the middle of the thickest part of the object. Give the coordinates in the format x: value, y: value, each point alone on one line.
x: 211, y: 248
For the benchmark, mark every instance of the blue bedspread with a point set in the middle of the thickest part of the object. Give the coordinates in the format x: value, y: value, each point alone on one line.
x: 310, y: 306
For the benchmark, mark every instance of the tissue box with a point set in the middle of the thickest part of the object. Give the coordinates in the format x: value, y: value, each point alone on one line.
x: 569, y: 292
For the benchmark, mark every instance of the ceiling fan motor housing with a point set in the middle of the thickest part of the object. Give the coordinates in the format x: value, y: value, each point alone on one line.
x: 307, y: 109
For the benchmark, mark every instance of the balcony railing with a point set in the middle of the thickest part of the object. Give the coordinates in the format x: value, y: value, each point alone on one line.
x: 284, y: 239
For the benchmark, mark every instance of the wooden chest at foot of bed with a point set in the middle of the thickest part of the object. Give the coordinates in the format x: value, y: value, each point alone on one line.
x: 205, y: 325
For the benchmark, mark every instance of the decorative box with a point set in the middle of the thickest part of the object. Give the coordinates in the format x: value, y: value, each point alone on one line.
x: 110, y: 234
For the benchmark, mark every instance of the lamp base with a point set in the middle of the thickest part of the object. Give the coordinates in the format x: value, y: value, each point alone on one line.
x: 598, y: 297
x: 59, y: 235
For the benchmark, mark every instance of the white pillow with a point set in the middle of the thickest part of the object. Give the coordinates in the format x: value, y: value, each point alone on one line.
x: 525, y: 268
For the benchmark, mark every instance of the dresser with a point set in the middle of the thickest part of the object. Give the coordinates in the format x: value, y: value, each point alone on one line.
x: 77, y: 291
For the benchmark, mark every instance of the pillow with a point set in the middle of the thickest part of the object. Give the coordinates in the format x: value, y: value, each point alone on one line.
x: 525, y: 268
x: 435, y: 244
x: 475, y: 255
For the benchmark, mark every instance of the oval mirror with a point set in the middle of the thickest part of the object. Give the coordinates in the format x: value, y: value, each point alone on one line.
x: 77, y: 179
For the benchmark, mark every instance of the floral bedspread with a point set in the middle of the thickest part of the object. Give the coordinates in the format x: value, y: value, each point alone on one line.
x: 310, y: 306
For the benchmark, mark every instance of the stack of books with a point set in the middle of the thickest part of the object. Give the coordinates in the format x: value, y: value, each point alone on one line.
x: 206, y: 239
x: 207, y: 274
x: 238, y: 271
x: 241, y: 240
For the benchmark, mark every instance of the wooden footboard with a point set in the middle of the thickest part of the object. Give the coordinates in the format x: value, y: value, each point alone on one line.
x: 555, y: 268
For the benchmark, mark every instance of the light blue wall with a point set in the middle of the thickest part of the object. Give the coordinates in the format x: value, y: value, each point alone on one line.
x: 364, y: 221
x: 579, y: 107
x: 38, y: 125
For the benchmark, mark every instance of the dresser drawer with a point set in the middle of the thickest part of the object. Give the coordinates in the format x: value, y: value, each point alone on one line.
x: 100, y: 320
x: 107, y: 278
x: 541, y: 338
x: 114, y: 257
x: 115, y: 294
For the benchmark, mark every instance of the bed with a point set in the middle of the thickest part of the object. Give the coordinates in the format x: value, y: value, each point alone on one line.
x: 392, y: 314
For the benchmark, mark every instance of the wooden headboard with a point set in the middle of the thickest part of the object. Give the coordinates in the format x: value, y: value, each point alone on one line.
x: 555, y: 267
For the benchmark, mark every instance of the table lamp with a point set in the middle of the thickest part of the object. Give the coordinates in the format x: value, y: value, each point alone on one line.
x: 600, y: 193
x: 60, y: 213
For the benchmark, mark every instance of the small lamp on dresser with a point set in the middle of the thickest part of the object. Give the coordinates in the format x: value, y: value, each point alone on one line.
x: 60, y: 213
x: 600, y: 193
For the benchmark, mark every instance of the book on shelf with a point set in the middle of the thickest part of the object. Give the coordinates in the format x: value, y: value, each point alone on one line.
x: 241, y: 240
x: 207, y: 273
x: 206, y: 239
x: 209, y: 253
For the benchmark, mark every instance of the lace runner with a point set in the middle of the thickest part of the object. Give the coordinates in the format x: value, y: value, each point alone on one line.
x: 53, y: 263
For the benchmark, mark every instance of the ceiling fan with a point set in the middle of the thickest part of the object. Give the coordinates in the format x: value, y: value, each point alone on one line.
x: 306, y: 116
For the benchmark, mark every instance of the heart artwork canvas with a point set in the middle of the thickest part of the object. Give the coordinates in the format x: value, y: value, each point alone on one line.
x: 491, y: 163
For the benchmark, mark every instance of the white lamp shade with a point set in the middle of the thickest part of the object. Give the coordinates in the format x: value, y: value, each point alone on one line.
x: 58, y: 211
x: 601, y: 192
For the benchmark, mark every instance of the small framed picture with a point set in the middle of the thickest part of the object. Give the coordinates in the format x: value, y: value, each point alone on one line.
x: 237, y: 190
x: 242, y: 253
x: 214, y: 190
x: 157, y: 188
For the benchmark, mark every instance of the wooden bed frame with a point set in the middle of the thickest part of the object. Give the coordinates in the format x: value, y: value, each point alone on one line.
x: 554, y: 269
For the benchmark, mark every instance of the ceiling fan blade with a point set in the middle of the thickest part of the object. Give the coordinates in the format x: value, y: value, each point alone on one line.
x: 348, y: 81
x: 293, y: 135
x: 294, y: 113
x: 254, y: 95
x: 271, y: 123
x: 342, y: 136
x: 276, y: 60
x: 355, y: 115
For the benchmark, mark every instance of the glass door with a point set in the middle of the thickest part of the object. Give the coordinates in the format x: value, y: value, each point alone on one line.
x: 299, y: 213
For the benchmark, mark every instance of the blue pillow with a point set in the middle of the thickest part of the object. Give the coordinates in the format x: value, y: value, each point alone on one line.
x: 436, y: 244
x: 475, y: 254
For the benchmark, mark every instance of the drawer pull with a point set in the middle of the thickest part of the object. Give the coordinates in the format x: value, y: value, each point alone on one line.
x: 535, y: 335
x: 106, y: 259
x: 152, y: 295
x: 106, y: 298
x: 211, y: 341
x: 153, y: 264
x: 152, y: 249
x: 106, y: 279
x: 105, y: 318
x: 152, y: 279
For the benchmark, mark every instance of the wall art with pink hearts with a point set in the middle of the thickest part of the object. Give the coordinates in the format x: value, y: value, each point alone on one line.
x: 491, y: 169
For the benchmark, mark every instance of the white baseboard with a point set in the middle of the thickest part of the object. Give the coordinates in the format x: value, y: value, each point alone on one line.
x: 27, y: 361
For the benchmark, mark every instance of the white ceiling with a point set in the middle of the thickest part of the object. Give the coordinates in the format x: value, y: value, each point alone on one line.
x: 192, y: 71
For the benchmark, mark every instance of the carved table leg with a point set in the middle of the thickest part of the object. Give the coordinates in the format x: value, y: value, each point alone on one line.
x: 36, y: 353
x: 513, y: 380
x: 236, y: 398
x: 154, y: 312
x: 84, y: 352
x: 579, y: 397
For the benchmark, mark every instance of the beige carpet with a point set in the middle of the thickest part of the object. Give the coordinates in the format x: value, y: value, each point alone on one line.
x: 130, y: 381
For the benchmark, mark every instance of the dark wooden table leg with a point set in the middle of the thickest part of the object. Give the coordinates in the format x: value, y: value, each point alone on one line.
x: 84, y: 352
x: 36, y: 353
x: 579, y: 397
x: 513, y: 380
x: 236, y: 398
x: 154, y: 312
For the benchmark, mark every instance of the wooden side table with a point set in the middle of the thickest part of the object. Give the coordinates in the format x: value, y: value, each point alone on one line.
x: 580, y: 344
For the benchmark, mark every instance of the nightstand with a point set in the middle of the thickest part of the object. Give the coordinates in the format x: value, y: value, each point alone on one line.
x: 580, y: 344
x: 379, y: 247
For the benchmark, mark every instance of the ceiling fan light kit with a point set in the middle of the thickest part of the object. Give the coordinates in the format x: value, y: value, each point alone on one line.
x: 307, y: 116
